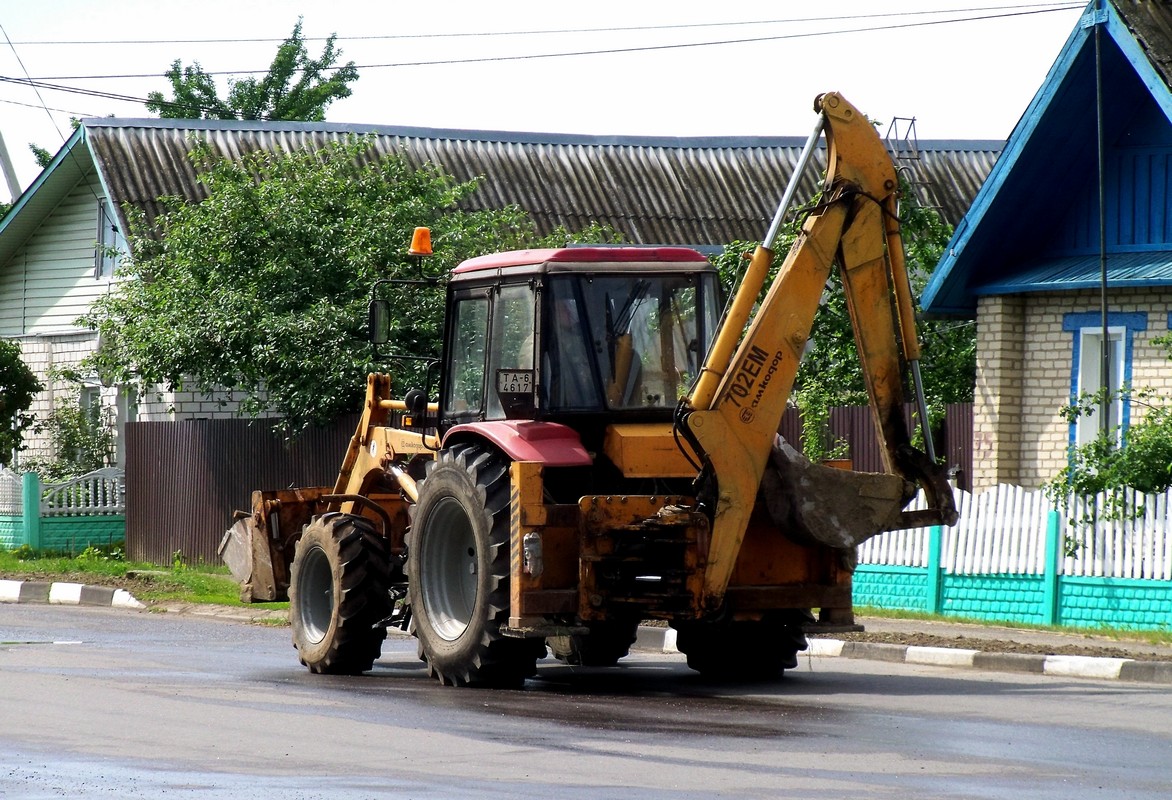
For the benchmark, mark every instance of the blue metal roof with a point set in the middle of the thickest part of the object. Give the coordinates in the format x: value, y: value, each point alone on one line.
x: 1034, y: 219
x: 1085, y: 272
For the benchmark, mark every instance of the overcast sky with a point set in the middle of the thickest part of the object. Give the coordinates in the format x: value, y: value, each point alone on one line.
x: 964, y: 69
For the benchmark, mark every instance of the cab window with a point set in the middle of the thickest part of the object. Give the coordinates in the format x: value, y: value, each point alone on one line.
x: 511, y: 356
x: 465, y: 380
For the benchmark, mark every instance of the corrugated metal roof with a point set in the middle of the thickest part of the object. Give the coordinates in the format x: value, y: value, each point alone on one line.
x: 1084, y: 272
x: 655, y: 190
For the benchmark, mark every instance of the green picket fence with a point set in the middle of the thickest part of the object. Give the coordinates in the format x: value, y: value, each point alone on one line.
x: 62, y: 517
x: 1013, y: 557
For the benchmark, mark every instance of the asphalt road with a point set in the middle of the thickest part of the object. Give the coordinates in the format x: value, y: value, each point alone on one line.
x: 119, y: 704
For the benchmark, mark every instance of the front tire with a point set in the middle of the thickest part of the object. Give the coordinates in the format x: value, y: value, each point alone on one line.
x: 458, y: 566
x: 338, y: 593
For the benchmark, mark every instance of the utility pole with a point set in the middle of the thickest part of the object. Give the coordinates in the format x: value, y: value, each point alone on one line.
x: 1105, y: 348
x: 9, y: 172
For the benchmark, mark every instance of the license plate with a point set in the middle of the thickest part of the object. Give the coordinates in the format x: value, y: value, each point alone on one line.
x: 514, y: 381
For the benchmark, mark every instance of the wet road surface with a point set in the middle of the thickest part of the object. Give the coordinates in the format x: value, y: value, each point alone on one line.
x: 100, y: 703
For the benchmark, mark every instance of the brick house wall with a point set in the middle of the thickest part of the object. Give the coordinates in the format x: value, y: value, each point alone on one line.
x: 164, y: 406
x: 1025, y: 363
x: 48, y: 354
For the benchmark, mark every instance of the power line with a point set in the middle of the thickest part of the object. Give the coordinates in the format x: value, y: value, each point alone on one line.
x: 1054, y: 6
x: 30, y: 81
x: 721, y: 43
x: 72, y: 155
x: 614, y: 51
x: 47, y: 108
x: 43, y: 83
x: 37, y: 85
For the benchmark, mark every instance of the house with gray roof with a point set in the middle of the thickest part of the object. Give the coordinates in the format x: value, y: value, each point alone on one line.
x: 702, y: 192
x: 1067, y: 268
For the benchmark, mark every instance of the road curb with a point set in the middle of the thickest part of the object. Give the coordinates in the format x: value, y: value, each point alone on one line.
x: 1122, y: 669
x: 69, y: 594
x: 663, y: 639
x: 1100, y: 668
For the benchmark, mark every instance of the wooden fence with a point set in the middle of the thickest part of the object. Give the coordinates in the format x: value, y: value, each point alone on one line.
x: 186, y: 478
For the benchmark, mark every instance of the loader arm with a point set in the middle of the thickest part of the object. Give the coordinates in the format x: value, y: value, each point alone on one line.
x: 734, y: 411
x: 375, y: 448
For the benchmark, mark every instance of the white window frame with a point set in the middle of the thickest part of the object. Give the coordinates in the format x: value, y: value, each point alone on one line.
x: 1090, y: 367
x: 90, y: 396
x: 1086, y: 329
x: 109, y: 236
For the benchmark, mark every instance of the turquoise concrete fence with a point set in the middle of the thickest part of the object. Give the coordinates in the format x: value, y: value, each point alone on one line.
x: 62, y: 517
x: 1013, y: 558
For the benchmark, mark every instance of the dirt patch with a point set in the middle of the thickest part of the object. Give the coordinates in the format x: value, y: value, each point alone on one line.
x: 997, y: 645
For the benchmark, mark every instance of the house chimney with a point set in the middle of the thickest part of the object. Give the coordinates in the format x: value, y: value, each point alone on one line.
x: 9, y: 172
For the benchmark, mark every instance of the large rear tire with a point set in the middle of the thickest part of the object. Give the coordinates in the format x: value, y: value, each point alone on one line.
x: 338, y: 593
x: 603, y: 646
x: 458, y: 569
x: 755, y: 650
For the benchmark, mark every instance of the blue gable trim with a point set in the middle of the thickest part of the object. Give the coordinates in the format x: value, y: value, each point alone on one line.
x: 946, y: 292
x: 66, y: 152
x: 1028, y: 209
x: 1139, y: 60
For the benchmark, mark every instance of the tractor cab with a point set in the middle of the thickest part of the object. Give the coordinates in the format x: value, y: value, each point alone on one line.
x: 574, y: 333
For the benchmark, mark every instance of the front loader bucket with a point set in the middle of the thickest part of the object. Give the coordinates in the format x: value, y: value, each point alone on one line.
x: 834, y: 507
x: 245, y: 549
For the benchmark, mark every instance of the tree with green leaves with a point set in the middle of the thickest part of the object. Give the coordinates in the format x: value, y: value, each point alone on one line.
x: 1101, y: 471
x: 262, y: 288
x: 80, y: 439
x: 18, y: 389
x: 296, y: 87
x: 830, y: 375
x: 42, y: 156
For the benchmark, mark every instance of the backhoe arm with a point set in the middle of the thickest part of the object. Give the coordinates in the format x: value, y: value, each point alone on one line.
x: 737, y: 404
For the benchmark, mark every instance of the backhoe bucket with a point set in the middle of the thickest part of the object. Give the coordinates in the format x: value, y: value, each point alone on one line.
x: 834, y: 507
x: 245, y: 549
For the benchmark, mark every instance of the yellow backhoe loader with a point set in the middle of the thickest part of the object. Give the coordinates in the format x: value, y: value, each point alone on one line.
x: 602, y: 450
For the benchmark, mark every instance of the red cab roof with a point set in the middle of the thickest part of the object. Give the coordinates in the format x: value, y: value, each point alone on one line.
x: 579, y: 255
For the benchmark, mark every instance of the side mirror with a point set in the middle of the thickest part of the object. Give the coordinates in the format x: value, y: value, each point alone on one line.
x: 379, y: 322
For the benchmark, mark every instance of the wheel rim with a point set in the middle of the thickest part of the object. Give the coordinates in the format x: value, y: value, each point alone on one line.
x: 449, y: 565
x: 315, y: 601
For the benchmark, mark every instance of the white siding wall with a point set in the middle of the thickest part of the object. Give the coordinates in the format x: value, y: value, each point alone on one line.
x: 50, y: 281
x: 46, y: 286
